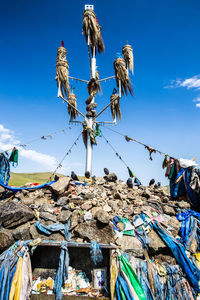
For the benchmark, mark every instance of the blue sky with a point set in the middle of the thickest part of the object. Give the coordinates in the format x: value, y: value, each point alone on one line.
x: 164, y: 112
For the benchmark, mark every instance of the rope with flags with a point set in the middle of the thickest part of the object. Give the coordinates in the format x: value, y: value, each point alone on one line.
x: 44, y: 137
x: 150, y: 149
x: 131, y: 174
x: 66, y: 154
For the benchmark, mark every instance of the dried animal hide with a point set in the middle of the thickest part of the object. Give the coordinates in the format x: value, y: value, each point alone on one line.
x: 127, y: 52
x: 72, y: 111
x: 121, y: 73
x: 92, y: 30
x: 115, y: 106
x: 93, y: 86
x: 151, y: 150
x: 100, y: 44
x: 62, y: 72
x: 165, y: 162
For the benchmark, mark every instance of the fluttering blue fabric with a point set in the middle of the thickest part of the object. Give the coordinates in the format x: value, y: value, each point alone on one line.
x: 17, y: 189
x: 191, y: 271
x: 62, y: 272
x: 55, y: 227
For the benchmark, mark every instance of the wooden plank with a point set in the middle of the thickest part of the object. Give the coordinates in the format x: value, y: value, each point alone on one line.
x: 69, y: 244
x: 52, y: 297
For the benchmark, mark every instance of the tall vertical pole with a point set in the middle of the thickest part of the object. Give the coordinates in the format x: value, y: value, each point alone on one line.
x: 90, y: 123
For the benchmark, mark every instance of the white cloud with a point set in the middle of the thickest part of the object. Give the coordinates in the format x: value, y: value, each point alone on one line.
x: 8, y: 141
x: 189, y: 83
x: 197, y: 99
x: 197, y: 104
x: 3, y: 129
x: 40, y: 158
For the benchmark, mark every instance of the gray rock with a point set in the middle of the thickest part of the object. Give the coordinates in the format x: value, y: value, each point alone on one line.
x: 89, y: 196
x: 165, y: 200
x: 74, y: 221
x: 113, y: 205
x: 60, y: 186
x: 107, y: 208
x: 2, y: 190
x: 87, y: 205
x: 22, y: 232
x: 34, y: 233
x: 175, y: 224
x: 146, y: 194
x: 184, y: 204
x: 100, y: 181
x: 130, y: 244
x: 47, y: 216
x: 102, y: 216
x: 91, y: 231
x: 13, y: 215
x: 94, y: 210
x: 6, y: 239
x: 117, y: 195
x: 156, y: 244
x: 62, y: 201
x: 46, y: 208
x: 169, y: 210
x: 64, y: 216
x: 112, y: 177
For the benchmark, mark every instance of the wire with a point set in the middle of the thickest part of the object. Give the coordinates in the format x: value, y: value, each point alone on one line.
x: 116, y: 153
x: 44, y: 137
x: 136, y: 141
x: 67, y: 153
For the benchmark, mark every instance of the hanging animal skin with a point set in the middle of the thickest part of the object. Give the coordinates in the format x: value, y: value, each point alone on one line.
x: 93, y: 86
x: 72, y: 111
x: 100, y: 44
x: 62, y: 72
x: 127, y: 52
x: 92, y: 30
x: 121, y: 74
x: 115, y: 106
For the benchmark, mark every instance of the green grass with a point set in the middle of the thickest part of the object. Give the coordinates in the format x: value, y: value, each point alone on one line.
x: 19, y: 179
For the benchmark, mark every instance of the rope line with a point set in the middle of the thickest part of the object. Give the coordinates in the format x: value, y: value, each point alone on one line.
x: 67, y: 153
x: 116, y: 153
x: 136, y: 141
x: 44, y: 137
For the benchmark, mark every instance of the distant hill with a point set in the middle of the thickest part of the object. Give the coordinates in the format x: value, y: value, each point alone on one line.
x: 19, y: 179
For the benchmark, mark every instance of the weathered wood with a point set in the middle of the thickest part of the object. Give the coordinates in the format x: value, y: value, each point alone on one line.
x: 52, y: 297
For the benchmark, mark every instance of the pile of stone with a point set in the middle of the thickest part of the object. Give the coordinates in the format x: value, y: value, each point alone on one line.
x: 90, y: 209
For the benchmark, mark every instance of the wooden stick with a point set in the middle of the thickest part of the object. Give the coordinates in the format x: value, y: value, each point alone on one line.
x: 6, y: 200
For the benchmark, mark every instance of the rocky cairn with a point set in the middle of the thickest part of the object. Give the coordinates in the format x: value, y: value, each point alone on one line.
x: 90, y: 209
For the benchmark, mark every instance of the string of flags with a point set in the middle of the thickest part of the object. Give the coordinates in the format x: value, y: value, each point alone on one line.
x: 131, y: 174
x: 44, y: 137
x: 151, y: 150
x: 66, y: 154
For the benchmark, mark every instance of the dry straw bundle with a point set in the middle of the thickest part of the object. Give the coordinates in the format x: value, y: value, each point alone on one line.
x: 127, y: 52
x: 92, y: 30
x: 115, y: 106
x: 121, y: 74
x: 62, y: 72
x: 71, y: 110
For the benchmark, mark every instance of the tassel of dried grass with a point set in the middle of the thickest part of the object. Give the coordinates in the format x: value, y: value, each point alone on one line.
x: 121, y: 73
x: 62, y: 72
x: 127, y: 52
x: 115, y: 106
x: 72, y: 111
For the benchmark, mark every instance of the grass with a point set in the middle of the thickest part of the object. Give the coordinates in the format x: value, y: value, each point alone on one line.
x: 19, y: 179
